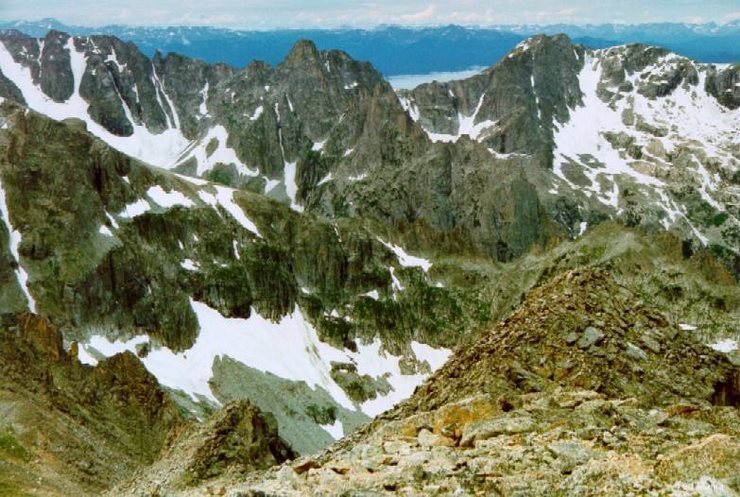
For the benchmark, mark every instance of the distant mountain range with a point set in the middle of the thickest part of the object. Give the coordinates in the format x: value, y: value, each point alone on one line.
x: 395, y: 50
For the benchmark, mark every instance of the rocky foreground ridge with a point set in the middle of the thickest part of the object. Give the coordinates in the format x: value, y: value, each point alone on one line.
x: 579, y: 392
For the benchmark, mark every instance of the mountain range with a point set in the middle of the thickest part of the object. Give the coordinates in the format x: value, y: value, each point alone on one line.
x: 396, y: 50
x: 209, y: 270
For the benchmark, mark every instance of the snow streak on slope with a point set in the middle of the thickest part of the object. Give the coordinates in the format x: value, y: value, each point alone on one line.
x: 225, y: 197
x: 169, y: 199
x: 160, y: 149
x: 467, y: 125
x: 289, y: 168
x: 290, y: 349
x: 14, y: 242
x: 405, y: 259
x: 223, y: 154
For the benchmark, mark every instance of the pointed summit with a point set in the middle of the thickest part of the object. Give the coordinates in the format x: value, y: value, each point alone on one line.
x: 303, y: 50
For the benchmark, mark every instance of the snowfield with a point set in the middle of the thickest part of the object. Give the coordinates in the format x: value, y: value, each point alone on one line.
x: 289, y: 349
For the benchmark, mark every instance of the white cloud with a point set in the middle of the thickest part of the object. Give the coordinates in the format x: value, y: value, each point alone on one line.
x: 423, y: 16
x: 731, y: 16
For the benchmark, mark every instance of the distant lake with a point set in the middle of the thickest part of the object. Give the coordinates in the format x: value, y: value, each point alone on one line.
x: 409, y: 81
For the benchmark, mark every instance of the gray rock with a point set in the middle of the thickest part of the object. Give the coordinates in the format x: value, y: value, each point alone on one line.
x: 651, y: 343
x: 591, y: 336
x: 634, y: 352
x: 569, y: 454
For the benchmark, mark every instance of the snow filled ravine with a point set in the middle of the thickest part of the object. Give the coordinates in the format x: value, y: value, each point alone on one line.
x: 289, y: 349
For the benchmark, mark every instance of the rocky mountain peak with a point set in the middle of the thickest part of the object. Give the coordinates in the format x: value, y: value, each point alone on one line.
x: 303, y: 52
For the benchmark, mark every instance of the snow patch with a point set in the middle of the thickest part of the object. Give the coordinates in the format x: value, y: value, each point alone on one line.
x: 203, y: 108
x: 135, y: 209
x: 336, y: 430
x: 289, y: 348
x: 190, y: 265
x: 223, y: 154
x: 225, y: 197
x: 410, y: 107
x: 434, y: 357
x: 405, y: 259
x: 160, y: 149
x: 395, y: 282
x: 373, y: 294
x: 583, y: 135
x: 466, y: 126
x: 168, y: 199
x: 727, y: 345
x: 371, y: 360
x: 325, y: 179
x: 257, y: 113
x: 358, y: 177
x: 291, y: 187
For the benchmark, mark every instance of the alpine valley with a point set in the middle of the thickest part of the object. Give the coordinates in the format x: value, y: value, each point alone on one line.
x: 298, y: 280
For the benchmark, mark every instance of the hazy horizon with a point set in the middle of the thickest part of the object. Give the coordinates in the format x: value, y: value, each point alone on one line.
x: 332, y: 14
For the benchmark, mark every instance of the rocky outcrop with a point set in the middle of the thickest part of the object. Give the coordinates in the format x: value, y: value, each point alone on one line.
x: 572, y: 442
x: 234, y: 441
x: 724, y: 85
x: 582, y: 331
x: 513, y: 104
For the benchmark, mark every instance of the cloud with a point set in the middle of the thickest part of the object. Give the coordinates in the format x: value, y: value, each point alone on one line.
x: 731, y: 16
x: 420, y: 17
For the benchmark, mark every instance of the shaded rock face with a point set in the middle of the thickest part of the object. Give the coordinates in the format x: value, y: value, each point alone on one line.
x: 334, y: 120
x: 104, y: 422
x: 63, y: 188
x: 520, y: 98
x: 638, y: 159
x: 724, y: 86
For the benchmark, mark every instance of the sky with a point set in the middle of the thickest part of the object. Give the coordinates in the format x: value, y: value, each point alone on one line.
x: 265, y: 14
